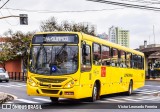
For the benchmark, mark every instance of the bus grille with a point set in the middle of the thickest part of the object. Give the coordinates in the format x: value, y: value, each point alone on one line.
x: 49, y: 80
x: 49, y: 91
x: 47, y: 85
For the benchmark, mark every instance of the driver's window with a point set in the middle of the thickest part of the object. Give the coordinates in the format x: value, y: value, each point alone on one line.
x: 86, y: 59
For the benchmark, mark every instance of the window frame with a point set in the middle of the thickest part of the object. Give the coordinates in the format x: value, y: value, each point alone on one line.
x: 109, y: 55
x: 81, y: 62
x: 99, y: 53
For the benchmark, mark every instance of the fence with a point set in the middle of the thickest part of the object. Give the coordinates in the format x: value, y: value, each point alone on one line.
x: 20, y: 76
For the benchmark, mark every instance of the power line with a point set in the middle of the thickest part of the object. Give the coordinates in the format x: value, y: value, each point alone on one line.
x: 11, y: 15
x: 7, y: 9
x: 127, y: 5
x: 92, y: 10
x: 51, y: 11
x: 4, y: 4
x: 143, y: 1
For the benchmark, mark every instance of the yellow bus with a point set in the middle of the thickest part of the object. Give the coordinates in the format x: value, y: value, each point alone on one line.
x: 76, y: 65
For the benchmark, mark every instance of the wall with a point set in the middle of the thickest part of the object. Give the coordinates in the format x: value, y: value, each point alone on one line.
x: 13, y: 65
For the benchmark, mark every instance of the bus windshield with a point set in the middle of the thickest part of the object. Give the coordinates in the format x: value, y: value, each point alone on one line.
x: 54, y: 60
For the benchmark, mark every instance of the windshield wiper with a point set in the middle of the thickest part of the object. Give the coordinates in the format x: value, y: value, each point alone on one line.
x: 60, y: 50
x: 58, y: 53
x: 38, y: 54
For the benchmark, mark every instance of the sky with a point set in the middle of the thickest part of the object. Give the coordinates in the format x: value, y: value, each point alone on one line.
x: 139, y: 22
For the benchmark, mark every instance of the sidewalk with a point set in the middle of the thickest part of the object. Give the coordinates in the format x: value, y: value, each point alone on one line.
x: 151, y: 79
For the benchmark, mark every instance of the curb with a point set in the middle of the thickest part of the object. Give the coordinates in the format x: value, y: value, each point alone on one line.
x: 17, y: 81
x: 14, y: 97
x: 152, y: 80
x: 7, y: 98
x: 4, y: 96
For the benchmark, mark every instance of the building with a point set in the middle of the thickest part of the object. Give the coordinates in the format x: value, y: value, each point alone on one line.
x: 119, y: 36
x: 154, y: 54
x: 112, y: 34
x: 103, y: 36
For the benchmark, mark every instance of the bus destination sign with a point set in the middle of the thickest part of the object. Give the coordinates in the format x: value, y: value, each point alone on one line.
x: 55, y: 38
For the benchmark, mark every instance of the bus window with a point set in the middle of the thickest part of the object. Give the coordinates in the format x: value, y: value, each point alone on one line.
x: 114, y: 57
x: 96, y: 54
x: 140, y: 62
x: 105, y: 55
x: 134, y: 61
x: 86, y: 59
x: 128, y: 60
x: 123, y: 59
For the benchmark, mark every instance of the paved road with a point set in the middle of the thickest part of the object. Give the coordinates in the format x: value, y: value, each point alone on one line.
x: 150, y: 93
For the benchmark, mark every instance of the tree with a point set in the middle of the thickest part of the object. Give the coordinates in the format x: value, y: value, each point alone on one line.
x: 16, y: 46
x: 52, y: 25
x: 4, y: 57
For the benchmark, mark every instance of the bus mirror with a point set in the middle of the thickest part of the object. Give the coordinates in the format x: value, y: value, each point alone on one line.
x: 84, y: 50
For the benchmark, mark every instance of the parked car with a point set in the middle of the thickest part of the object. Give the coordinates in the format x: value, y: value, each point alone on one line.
x: 4, y: 75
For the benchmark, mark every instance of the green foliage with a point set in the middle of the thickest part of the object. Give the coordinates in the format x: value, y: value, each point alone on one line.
x: 16, y: 46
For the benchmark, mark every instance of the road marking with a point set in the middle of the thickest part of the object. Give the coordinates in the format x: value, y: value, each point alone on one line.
x: 12, y: 85
x: 148, y: 92
x: 4, y: 86
x: 129, y: 99
x: 141, y: 90
x: 152, y: 98
x: 15, y: 86
x: 114, y: 100
x: 143, y: 97
x: 8, y: 102
x: 26, y: 101
x: 152, y: 85
x: 101, y: 101
x: 21, y: 84
x: 42, y: 99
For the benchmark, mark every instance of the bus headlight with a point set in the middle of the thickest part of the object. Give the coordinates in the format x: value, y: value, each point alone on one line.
x: 32, y: 83
x: 70, y: 84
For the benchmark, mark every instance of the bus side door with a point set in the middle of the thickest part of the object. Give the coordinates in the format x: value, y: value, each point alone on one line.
x: 86, y: 75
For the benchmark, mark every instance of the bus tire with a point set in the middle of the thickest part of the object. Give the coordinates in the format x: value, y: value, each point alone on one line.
x: 94, y: 93
x: 130, y: 89
x: 54, y: 99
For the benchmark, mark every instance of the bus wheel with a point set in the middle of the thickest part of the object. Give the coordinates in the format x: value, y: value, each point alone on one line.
x: 94, y: 93
x: 130, y: 88
x: 54, y: 99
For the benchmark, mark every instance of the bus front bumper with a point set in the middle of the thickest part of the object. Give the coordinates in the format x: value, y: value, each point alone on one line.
x: 75, y: 92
